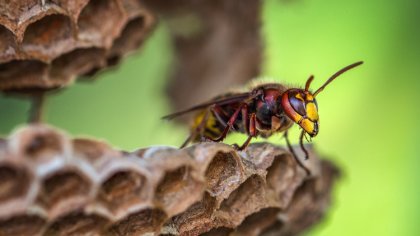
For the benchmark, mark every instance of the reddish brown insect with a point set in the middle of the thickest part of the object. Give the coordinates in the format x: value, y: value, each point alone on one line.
x: 264, y: 110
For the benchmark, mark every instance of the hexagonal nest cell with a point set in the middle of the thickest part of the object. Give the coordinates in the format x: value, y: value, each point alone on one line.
x: 223, y: 170
x: 80, y: 186
x: 46, y: 47
x: 92, y: 26
x: 252, y: 193
x: 64, y: 191
x: 22, y: 225
x: 174, y: 191
x: 18, y: 75
x: 145, y: 222
x: 14, y: 183
x: 40, y: 144
x: 122, y: 190
x: 78, y: 223
x: 46, y: 38
x: 256, y: 223
x: 92, y: 150
x: 8, y: 46
x: 195, y: 219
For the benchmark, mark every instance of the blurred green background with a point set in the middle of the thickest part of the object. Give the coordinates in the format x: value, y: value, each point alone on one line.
x: 368, y: 117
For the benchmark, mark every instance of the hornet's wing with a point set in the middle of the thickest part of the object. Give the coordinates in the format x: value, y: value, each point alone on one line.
x: 229, y: 99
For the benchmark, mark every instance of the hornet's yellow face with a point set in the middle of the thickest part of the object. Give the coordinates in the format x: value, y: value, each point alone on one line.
x: 300, y: 106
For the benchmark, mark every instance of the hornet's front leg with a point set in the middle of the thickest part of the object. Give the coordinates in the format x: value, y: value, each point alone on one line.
x: 286, y: 136
x: 303, y: 146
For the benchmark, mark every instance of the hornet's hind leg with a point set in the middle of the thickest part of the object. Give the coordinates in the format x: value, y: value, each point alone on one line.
x: 199, y: 129
x: 252, y: 130
x: 229, y: 124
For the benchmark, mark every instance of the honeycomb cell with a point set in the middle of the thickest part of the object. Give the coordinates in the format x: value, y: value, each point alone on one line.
x: 224, y: 170
x: 257, y: 222
x: 64, y: 191
x: 78, y: 61
x: 131, y: 7
x: 279, y: 170
x: 92, y: 150
x: 40, y: 145
x: 276, y: 229
x: 22, y: 225
x: 197, y: 218
x: 131, y: 37
x: 14, y: 183
x: 78, y: 223
x: 251, y: 193
x: 19, y: 74
x: 144, y: 222
x: 122, y: 190
x: 73, y: 7
x: 94, y: 29
x: 48, y: 37
x: 283, y: 178
x: 8, y: 47
x: 178, y: 190
x: 308, y: 203
x: 15, y: 11
x: 221, y: 231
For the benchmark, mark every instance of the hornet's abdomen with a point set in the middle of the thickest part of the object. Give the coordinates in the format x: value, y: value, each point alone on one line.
x: 211, y: 127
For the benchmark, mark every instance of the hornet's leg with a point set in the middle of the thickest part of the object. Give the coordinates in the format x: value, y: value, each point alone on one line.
x: 245, y: 118
x: 242, y: 107
x: 244, y: 145
x: 199, y: 129
x: 286, y: 136
x: 302, y: 146
x: 252, y: 132
x: 229, y: 125
x: 188, y: 140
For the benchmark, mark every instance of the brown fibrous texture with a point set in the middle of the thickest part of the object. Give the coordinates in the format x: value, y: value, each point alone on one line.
x: 45, y: 47
x: 51, y: 184
x: 217, y: 45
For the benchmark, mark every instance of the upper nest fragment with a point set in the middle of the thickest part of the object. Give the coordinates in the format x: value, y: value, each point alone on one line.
x: 217, y: 45
x: 46, y: 46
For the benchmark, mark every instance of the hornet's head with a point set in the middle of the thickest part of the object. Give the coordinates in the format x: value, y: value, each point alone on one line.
x: 300, y: 104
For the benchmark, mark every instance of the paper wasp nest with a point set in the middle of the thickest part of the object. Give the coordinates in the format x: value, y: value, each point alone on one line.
x: 217, y: 44
x: 53, y: 185
x: 46, y: 46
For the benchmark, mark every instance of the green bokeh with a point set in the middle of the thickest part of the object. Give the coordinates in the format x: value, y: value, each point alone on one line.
x: 369, y: 116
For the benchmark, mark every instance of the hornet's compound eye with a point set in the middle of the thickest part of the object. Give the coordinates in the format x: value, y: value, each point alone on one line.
x: 298, y: 102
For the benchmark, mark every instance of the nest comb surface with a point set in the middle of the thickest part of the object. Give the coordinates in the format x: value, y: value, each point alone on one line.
x: 46, y: 46
x: 51, y: 184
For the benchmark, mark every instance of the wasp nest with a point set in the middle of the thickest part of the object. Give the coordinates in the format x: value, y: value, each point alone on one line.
x: 46, y: 44
x: 217, y: 44
x: 53, y: 185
